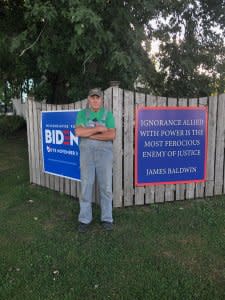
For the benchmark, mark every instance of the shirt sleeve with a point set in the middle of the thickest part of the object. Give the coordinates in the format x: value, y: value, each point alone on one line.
x: 80, y: 120
x: 110, y: 121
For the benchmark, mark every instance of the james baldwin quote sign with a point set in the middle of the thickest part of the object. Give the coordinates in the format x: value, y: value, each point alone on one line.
x: 171, y: 145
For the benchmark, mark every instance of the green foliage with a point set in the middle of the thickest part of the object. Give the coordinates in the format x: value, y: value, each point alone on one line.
x: 67, y: 47
x: 191, y: 57
x: 9, y: 125
x: 76, y: 45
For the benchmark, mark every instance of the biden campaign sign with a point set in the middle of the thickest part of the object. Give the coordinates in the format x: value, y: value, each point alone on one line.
x: 171, y: 145
x: 60, y: 146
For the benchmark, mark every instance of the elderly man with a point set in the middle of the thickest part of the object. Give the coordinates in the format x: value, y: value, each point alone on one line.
x: 96, y: 128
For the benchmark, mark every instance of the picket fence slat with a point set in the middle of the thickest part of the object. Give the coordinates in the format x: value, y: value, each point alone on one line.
x: 58, y: 180
x: 30, y: 138
x: 200, y: 187
x: 170, y: 188
x: 78, y: 190
x: 160, y: 189
x: 117, y: 148
x: 180, y: 188
x: 43, y: 174
x: 128, y: 148
x: 47, y: 176
x: 73, y: 190
x: 219, y: 167
x: 150, y: 190
x: 139, y: 191
x: 190, y: 187
x: 35, y: 144
x: 212, y: 120
x: 52, y: 177
x: 108, y: 99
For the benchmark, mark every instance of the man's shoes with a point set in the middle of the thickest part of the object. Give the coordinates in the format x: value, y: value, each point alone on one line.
x: 107, y: 226
x: 82, y: 228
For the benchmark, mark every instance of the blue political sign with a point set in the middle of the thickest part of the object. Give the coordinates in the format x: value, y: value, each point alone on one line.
x: 171, y: 145
x: 60, y: 146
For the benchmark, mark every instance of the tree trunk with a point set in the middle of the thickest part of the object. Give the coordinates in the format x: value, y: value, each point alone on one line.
x: 58, y: 90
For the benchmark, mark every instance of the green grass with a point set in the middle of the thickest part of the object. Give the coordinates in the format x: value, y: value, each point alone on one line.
x: 166, y: 251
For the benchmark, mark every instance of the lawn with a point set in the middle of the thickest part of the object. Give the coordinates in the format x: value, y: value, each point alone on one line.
x: 162, y: 251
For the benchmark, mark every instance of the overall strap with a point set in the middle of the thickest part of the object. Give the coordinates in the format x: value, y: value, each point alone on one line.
x: 104, y: 115
x: 87, y: 112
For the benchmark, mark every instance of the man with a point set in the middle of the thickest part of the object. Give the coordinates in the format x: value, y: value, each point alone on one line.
x: 96, y: 128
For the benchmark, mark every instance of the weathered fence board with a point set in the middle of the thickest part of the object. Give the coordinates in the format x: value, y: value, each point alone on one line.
x: 78, y: 188
x: 180, y: 188
x: 170, y: 188
x: 52, y: 178
x: 29, y: 138
x: 43, y: 175
x: 190, y: 187
x: 160, y: 189
x: 108, y: 99
x: 200, y: 187
x: 150, y: 190
x: 73, y: 182
x: 212, y: 120
x: 125, y: 193
x: 128, y: 127
x: 139, y: 191
x: 219, y: 167
x: 58, y: 179
x: 118, y: 148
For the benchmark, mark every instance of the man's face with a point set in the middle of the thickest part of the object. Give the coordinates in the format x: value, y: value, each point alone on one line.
x: 95, y: 102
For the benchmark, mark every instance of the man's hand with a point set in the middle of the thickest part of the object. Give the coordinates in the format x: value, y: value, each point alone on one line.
x: 100, y: 129
x: 88, y: 132
x: 108, y: 135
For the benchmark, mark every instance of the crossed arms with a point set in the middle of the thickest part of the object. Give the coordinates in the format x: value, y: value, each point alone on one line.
x: 100, y: 133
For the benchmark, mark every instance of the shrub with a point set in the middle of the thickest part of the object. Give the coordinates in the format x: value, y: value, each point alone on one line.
x: 11, y: 124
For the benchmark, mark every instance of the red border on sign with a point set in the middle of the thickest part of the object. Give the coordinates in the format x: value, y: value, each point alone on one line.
x: 203, y: 108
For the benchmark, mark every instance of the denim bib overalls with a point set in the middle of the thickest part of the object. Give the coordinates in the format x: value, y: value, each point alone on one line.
x: 96, y: 159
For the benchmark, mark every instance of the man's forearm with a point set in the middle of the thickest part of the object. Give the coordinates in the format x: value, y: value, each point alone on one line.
x: 85, y: 131
x: 109, y: 135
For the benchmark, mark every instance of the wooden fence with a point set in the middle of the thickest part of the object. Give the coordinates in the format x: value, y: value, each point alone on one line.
x: 123, y: 104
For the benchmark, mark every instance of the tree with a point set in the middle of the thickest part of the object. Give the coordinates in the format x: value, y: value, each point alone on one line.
x: 67, y: 47
x: 192, y: 50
